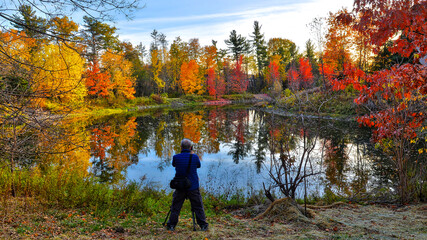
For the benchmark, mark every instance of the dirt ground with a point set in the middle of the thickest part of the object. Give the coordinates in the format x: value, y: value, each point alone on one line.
x: 23, y: 220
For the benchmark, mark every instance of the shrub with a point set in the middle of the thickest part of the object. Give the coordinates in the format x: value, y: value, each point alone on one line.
x: 157, y: 98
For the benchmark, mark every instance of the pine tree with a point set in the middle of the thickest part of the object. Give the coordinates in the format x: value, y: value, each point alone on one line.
x: 237, y: 44
x: 260, y: 47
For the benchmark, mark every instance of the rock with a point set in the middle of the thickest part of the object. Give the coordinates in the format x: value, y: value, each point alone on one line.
x: 177, y: 104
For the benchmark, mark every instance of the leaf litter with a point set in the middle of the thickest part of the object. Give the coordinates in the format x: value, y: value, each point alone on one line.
x: 29, y: 219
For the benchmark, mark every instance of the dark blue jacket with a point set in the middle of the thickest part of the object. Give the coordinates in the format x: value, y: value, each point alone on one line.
x: 180, y: 162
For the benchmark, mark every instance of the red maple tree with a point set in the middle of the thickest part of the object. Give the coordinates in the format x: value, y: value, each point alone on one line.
x: 306, y: 76
x: 398, y: 93
x: 238, y: 81
x: 293, y: 78
x: 273, y: 73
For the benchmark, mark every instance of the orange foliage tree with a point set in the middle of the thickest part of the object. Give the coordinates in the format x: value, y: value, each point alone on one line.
x: 338, y: 42
x: 98, y: 83
x: 191, y: 82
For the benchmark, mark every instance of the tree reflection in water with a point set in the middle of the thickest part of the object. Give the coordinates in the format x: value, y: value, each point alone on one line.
x: 339, y: 150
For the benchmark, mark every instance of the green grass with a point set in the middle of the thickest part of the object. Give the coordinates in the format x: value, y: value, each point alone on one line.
x: 333, y: 104
x: 68, y: 189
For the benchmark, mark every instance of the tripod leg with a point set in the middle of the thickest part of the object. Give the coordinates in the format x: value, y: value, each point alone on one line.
x: 194, y: 221
x: 167, y: 216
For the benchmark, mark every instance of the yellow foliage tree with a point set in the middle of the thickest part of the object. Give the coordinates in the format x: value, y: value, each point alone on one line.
x: 191, y: 82
x: 156, y: 68
x: 59, y: 74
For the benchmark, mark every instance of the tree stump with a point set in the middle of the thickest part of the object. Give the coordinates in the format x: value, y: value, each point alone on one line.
x: 286, y: 209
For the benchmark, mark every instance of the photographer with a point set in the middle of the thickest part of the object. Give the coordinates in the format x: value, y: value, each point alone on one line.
x: 181, y: 162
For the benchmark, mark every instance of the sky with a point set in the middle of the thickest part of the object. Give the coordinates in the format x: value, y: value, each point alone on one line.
x: 215, y: 19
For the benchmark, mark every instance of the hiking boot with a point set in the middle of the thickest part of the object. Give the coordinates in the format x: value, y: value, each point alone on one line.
x: 170, y: 227
x: 204, y: 227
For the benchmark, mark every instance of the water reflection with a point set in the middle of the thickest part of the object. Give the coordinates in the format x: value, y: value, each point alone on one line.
x: 231, y: 140
x: 236, y: 146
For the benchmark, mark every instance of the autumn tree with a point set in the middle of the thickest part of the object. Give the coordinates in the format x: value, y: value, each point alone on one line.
x: 399, y: 93
x: 64, y: 27
x: 210, y: 81
x: 98, y: 83
x: 194, y: 49
x: 156, y: 68
x: 60, y: 74
x: 306, y: 75
x: 338, y: 42
x: 178, y: 55
x: 274, y: 79
x: 208, y: 57
x: 215, y: 83
x: 285, y: 48
x: 191, y: 81
x: 238, y: 82
x: 136, y: 56
x: 293, y: 78
x: 120, y: 70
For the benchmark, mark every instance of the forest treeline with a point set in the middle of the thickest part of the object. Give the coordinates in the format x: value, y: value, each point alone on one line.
x: 90, y: 62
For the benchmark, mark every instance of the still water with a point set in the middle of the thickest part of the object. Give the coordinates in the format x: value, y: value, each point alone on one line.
x: 239, y: 150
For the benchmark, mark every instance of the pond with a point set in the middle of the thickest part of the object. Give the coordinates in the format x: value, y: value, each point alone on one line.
x: 240, y: 150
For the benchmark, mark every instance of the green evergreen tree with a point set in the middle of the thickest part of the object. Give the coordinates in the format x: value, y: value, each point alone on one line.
x: 27, y: 21
x: 98, y: 36
x: 237, y: 45
x: 311, y: 56
x: 260, y: 47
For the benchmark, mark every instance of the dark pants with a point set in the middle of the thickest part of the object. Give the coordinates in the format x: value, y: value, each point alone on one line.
x: 196, y: 206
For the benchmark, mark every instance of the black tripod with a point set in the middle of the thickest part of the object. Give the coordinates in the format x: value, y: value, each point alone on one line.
x: 192, y: 214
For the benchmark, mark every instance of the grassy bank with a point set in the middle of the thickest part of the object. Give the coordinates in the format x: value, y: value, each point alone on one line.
x: 67, y: 188
x: 334, y: 104
x: 105, y: 107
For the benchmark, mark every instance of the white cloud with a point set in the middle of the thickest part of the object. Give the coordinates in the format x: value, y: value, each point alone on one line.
x: 289, y: 21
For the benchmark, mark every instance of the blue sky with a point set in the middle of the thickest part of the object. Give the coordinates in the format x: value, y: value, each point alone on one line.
x: 215, y: 19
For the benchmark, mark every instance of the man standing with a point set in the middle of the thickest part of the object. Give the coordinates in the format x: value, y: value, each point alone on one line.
x: 180, y: 162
